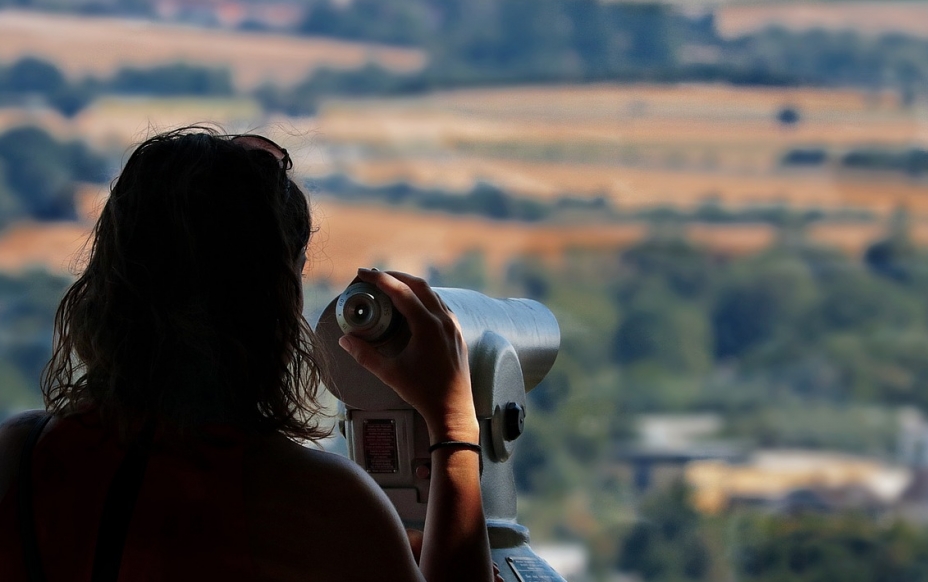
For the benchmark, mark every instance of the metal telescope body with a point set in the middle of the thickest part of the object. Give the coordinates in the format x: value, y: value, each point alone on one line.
x: 512, y: 344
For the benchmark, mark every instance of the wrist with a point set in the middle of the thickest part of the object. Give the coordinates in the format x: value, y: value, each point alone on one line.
x: 454, y: 427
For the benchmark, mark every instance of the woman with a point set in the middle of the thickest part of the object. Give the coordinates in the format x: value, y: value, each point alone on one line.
x: 183, y: 373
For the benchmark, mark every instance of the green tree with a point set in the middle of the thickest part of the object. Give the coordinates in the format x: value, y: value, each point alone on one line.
x: 687, y: 269
x: 27, y: 310
x: 40, y: 171
x: 667, y: 544
x: 175, y: 79
x: 767, y: 296
x: 818, y: 548
x: 32, y: 75
x: 675, y: 337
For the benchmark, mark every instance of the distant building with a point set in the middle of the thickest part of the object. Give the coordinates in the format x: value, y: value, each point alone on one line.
x: 799, y: 480
x: 667, y: 443
x: 913, y: 452
x: 913, y: 438
x: 572, y: 561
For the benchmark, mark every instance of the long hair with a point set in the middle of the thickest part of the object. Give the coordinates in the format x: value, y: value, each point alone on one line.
x: 190, y: 308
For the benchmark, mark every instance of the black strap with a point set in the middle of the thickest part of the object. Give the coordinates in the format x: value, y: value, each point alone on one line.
x: 24, y: 511
x: 117, y: 509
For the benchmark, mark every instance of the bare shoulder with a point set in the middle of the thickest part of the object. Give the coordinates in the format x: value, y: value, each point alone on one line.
x: 296, y: 470
x: 21, y: 423
x: 313, y: 511
x: 13, y: 434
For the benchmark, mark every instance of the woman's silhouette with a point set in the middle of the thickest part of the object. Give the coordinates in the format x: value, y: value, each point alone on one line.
x: 183, y: 373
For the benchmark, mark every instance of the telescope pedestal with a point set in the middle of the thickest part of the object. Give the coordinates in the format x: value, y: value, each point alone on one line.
x: 516, y: 560
x: 511, y: 345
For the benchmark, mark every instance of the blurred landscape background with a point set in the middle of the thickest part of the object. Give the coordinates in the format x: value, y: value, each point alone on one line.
x: 725, y: 204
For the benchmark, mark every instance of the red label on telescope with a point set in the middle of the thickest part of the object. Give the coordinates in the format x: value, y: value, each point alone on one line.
x: 378, y: 438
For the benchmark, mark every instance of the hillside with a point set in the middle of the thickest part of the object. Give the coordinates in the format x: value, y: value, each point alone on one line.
x: 867, y: 17
x: 83, y: 45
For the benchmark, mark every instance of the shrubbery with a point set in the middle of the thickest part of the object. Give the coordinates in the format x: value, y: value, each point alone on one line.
x: 37, y: 174
x: 30, y: 79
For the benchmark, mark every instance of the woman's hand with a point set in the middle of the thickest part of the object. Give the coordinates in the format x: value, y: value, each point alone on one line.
x: 431, y: 373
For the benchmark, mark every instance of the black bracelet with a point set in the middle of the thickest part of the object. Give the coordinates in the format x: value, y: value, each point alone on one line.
x: 456, y: 445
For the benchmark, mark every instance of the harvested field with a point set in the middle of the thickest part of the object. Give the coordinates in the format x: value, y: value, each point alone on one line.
x: 684, y: 115
x: 869, y: 18
x: 631, y: 188
x: 732, y: 239
x: 82, y: 45
x: 639, y: 145
x: 115, y: 123
x: 353, y: 235
x: 604, y: 100
x: 55, y: 247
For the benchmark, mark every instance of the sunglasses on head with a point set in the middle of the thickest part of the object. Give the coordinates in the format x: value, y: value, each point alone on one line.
x: 259, y: 142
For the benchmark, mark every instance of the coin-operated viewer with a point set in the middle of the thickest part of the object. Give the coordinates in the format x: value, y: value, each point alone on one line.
x: 512, y: 344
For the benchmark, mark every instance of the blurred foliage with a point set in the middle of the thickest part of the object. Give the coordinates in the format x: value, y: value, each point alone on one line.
x: 801, y: 424
x: 27, y: 309
x: 37, y: 174
x: 171, y: 80
x: 31, y: 79
x: 305, y: 97
x: 92, y: 7
x: 490, y: 201
x: 495, y: 41
x: 484, y: 199
x: 667, y: 543
x: 671, y: 542
x: 796, y: 346
x: 811, y: 548
x: 913, y: 162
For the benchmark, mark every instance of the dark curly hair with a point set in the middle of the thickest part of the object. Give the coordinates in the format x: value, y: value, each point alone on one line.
x: 190, y: 308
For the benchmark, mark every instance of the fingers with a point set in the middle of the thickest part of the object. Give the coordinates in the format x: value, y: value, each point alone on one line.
x: 423, y: 291
x: 409, y: 294
x: 362, y: 352
x: 400, y: 294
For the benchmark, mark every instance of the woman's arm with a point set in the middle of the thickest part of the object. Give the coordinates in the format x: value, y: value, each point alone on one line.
x: 432, y: 375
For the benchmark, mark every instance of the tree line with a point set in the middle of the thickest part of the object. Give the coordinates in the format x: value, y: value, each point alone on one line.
x: 30, y: 78
x: 789, y: 345
x: 503, y: 42
x: 506, y: 41
x: 38, y: 174
x: 799, y: 345
x: 672, y: 542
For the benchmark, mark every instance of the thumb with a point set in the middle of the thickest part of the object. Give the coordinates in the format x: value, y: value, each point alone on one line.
x: 362, y: 352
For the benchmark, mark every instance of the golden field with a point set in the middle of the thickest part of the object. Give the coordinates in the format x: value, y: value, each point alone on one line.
x: 351, y: 235
x: 82, y: 45
x: 679, y: 146
x: 871, y: 18
x: 638, y: 146
x: 639, y: 188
